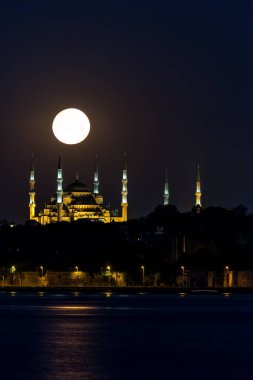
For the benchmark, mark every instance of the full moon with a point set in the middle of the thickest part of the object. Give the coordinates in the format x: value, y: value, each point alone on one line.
x: 71, y: 126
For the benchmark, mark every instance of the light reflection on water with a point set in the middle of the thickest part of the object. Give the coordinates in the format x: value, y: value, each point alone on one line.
x: 108, y: 294
x: 182, y: 294
x: 91, y: 336
x: 74, y: 307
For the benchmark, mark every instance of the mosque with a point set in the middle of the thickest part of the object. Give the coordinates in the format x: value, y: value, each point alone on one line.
x: 76, y: 201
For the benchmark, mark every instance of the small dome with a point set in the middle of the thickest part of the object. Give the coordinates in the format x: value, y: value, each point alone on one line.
x: 77, y: 187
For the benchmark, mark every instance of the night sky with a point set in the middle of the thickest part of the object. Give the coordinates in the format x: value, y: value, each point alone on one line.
x: 168, y: 82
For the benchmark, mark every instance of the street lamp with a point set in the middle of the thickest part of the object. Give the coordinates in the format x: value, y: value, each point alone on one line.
x: 227, y: 275
x: 77, y: 275
x: 41, y: 267
x: 109, y: 273
x: 143, y: 274
x: 13, y: 270
x: 182, y: 267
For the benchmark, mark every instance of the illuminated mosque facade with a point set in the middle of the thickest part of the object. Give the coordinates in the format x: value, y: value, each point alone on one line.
x: 76, y: 201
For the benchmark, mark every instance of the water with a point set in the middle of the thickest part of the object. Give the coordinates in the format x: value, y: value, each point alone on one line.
x: 113, y: 336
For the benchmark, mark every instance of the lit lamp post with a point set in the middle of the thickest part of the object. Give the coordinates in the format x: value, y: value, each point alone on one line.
x: 41, y: 267
x: 143, y: 274
x: 227, y: 275
x: 13, y: 270
x: 183, y: 274
x: 77, y: 274
x: 109, y: 273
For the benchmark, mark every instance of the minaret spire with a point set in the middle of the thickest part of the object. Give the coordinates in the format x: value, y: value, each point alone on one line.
x: 166, y: 194
x: 32, y: 204
x: 59, y: 191
x: 124, y: 192
x: 96, y: 181
x: 198, y: 192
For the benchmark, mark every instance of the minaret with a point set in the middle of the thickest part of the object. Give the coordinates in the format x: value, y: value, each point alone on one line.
x: 32, y: 204
x: 166, y: 194
x: 96, y: 182
x: 59, y: 191
x: 124, y: 193
x: 198, y: 192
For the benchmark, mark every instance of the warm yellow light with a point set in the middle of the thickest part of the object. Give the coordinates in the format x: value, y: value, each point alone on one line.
x: 226, y: 267
x: 71, y: 126
x: 108, y: 267
x: 74, y: 307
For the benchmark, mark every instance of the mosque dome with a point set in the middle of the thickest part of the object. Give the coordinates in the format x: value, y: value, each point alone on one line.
x: 76, y: 187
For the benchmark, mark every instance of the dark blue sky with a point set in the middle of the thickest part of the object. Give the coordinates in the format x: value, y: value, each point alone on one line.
x: 168, y: 82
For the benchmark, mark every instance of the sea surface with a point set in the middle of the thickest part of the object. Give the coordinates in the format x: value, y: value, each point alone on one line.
x: 125, y: 336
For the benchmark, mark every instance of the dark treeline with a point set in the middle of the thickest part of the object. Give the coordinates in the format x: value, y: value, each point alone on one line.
x: 162, y: 241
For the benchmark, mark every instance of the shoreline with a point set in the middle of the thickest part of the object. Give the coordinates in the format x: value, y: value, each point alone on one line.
x: 124, y: 290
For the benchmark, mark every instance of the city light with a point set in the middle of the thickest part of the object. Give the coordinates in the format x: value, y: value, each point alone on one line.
x: 182, y: 267
x: 109, y: 273
x: 143, y: 274
x: 227, y: 276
